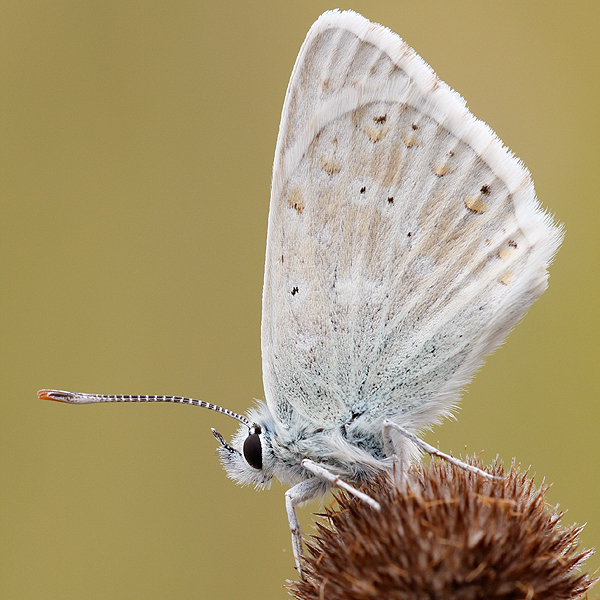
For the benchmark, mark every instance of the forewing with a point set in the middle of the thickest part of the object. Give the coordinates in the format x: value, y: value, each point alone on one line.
x: 404, y: 240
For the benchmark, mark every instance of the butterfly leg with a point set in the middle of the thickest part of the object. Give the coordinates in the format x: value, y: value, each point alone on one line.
x: 388, y: 425
x: 296, y: 495
x: 306, y: 490
x: 323, y: 473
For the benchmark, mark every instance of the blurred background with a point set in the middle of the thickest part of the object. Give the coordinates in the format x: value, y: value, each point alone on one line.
x: 136, y: 145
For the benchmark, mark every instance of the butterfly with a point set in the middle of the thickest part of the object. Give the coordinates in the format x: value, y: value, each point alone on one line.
x: 404, y: 243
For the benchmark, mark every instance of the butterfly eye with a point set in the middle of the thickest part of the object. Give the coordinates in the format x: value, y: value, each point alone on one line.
x: 253, y: 450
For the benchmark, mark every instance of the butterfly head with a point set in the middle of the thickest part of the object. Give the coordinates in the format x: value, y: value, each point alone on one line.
x: 249, y: 459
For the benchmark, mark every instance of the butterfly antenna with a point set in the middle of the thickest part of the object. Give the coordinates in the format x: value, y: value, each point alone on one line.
x: 80, y: 398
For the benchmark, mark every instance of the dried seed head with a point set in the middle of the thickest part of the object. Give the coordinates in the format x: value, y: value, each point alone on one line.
x: 445, y: 534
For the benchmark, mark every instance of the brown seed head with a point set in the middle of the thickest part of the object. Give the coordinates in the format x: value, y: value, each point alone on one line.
x: 445, y: 533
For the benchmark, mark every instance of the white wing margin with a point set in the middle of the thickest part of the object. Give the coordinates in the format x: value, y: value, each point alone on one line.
x: 404, y: 240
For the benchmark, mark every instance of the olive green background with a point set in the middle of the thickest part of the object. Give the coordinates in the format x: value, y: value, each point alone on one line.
x: 137, y: 141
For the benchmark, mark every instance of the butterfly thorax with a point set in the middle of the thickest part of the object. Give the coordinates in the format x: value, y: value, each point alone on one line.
x: 354, y: 454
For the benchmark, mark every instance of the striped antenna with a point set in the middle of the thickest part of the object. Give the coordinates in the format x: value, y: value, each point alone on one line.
x: 80, y: 398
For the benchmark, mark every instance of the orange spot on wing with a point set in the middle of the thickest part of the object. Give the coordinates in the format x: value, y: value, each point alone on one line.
x: 475, y: 204
x: 441, y: 170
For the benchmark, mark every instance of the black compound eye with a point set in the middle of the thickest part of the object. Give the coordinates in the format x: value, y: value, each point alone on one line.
x: 253, y: 451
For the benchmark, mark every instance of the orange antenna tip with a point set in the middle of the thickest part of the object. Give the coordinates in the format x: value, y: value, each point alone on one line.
x: 50, y: 395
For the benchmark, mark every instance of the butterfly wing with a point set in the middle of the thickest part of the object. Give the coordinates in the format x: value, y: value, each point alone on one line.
x: 404, y: 240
